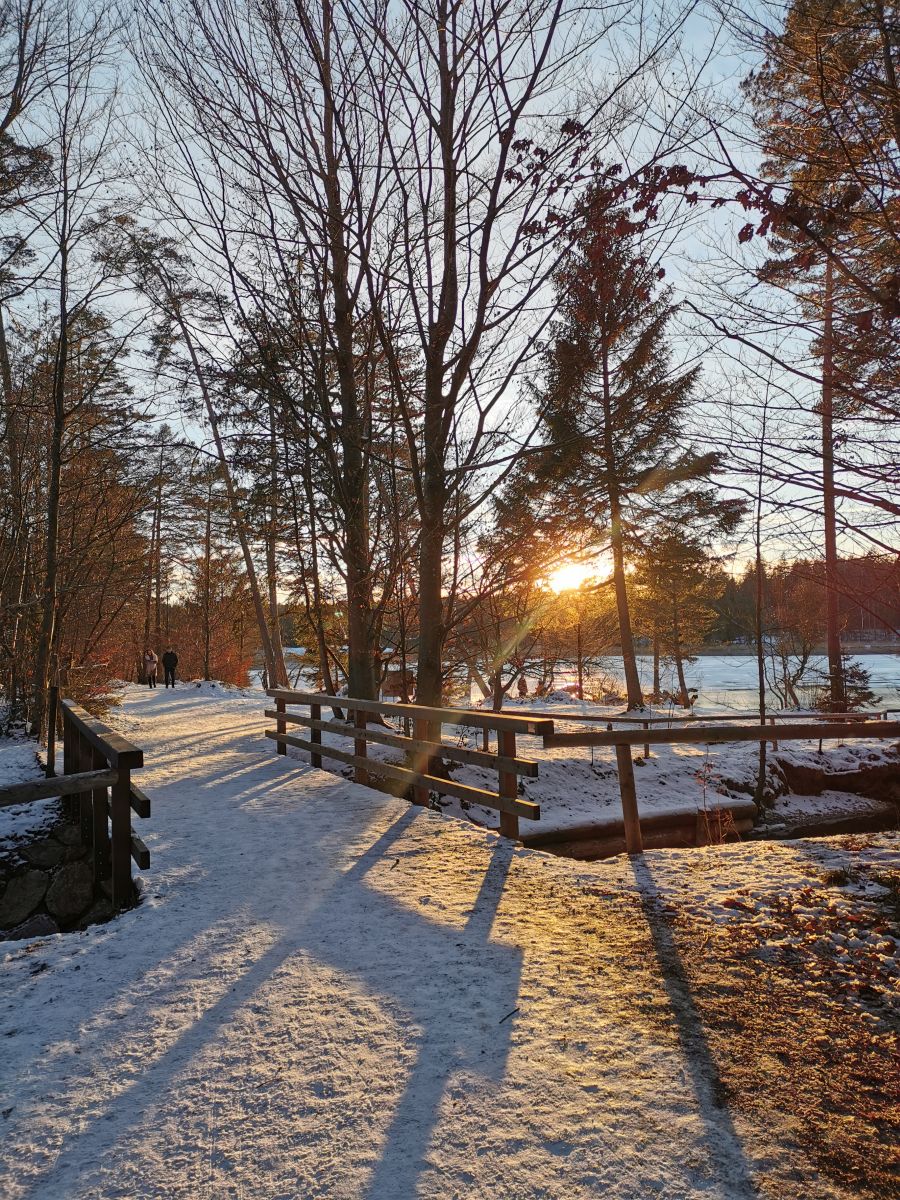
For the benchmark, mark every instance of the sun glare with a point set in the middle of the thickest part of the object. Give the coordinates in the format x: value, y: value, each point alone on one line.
x: 571, y: 575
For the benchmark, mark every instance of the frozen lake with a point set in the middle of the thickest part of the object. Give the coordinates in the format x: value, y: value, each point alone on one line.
x: 726, y: 681
x: 723, y: 681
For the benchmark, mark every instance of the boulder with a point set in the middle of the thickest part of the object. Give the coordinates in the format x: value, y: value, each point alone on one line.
x: 23, y: 894
x: 72, y: 891
x: 97, y: 914
x: 45, y: 854
x: 40, y: 925
x: 67, y: 833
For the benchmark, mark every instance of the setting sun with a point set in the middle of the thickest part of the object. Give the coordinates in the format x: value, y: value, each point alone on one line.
x: 571, y: 575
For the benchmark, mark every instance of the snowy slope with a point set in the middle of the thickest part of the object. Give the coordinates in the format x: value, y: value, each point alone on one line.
x: 326, y: 992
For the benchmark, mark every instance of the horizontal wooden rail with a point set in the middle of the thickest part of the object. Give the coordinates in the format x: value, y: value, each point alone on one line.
x: 424, y: 749
x: 708, y: 734
x: 478, y: 719
x: 473, y: 758
x: 140, y: 803
x: 59, y: 785
x: 117, y: 751
x: 703, y: 718
x: 139, y: 852
x: 435, y: 783
x: 703, y: 735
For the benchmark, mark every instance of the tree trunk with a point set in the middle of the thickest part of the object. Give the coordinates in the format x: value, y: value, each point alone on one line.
x: 234, y: 508
x: 434, y: 482
x: 281, y: 679
x: 157, y: 565
x: 617, y: 538
x: 54, y: 479
x: 580, y: 656
x: 207, y: 584
x: 429, y: 671
x: 837, y: 698
x: 355, y: 483
x: 683, y: 698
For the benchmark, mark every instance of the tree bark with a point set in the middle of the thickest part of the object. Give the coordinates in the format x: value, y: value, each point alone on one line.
x: 617, y: 539
x: 837, y: 698
x: 54, y: 479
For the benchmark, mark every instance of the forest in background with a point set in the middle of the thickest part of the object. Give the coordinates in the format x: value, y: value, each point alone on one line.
x: 371, y: 327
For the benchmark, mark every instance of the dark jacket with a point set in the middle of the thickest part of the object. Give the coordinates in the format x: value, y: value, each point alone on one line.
x: 170, y: 660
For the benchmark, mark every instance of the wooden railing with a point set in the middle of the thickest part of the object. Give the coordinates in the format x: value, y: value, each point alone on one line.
x: 694, y: 719
x: 704, y: 735
x: 98, y: 795
x: 103, y: 810
x: 424, y: 750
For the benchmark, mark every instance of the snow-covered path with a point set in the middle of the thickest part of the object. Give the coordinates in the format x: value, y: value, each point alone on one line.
x: 326, y: 992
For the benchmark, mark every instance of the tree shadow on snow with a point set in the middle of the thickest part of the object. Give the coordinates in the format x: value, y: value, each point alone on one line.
x: 456, y: 1034
x: 725, y: 1147
x: 434, y: 977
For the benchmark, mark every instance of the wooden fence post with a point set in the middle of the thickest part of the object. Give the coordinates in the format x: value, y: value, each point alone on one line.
x: 509, y: 782
x: 359, y: 746
x: 315, y: 712
x: 121, y: 839
x: 85, y: 799
x: 68, y: 802
x: 100, y: 827
x: 52, y: 711
x: 774, y: 741
x: 633, y: 842
x: 646, y: 744
x: 281, y: 727
x: 421, y: 731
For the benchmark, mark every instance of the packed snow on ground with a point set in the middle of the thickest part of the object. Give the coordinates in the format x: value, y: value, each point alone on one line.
x: 328, y: 992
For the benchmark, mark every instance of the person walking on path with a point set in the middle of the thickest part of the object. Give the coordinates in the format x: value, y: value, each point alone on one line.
x: 170, y: 662
x: 151, y: 662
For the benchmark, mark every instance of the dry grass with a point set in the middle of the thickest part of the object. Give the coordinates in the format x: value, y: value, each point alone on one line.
x: 803, y: 1039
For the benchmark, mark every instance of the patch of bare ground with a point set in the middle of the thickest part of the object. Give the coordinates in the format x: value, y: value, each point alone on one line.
x: 798, y: 995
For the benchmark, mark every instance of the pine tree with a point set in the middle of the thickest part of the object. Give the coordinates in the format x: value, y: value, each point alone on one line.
x: 614, y: 406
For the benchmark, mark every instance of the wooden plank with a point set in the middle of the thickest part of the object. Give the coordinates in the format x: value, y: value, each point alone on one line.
x: 140, y: 802
x: 705, y: 718
x: 443, y: 716
x: 359, y: 718
x: 508, y: 781
x: 610, y: 826
x: 422, y: 731
x: 434, y: 783
x: 100, y: 823
x: 120, y: 841
x: 139, y: 852
x: 472, y: 758
x: 628, y: 791
x: 118, y: 751
x: 52, y: 715
x: 60, y: 785
x: 707, y: 734
x: 85, y: 798
x: 315, y: 713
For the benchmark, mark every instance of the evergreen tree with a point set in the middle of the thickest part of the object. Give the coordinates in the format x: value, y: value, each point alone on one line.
x: 614, y: 406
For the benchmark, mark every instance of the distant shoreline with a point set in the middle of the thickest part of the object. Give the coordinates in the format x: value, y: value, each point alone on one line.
x: 732, y: 651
